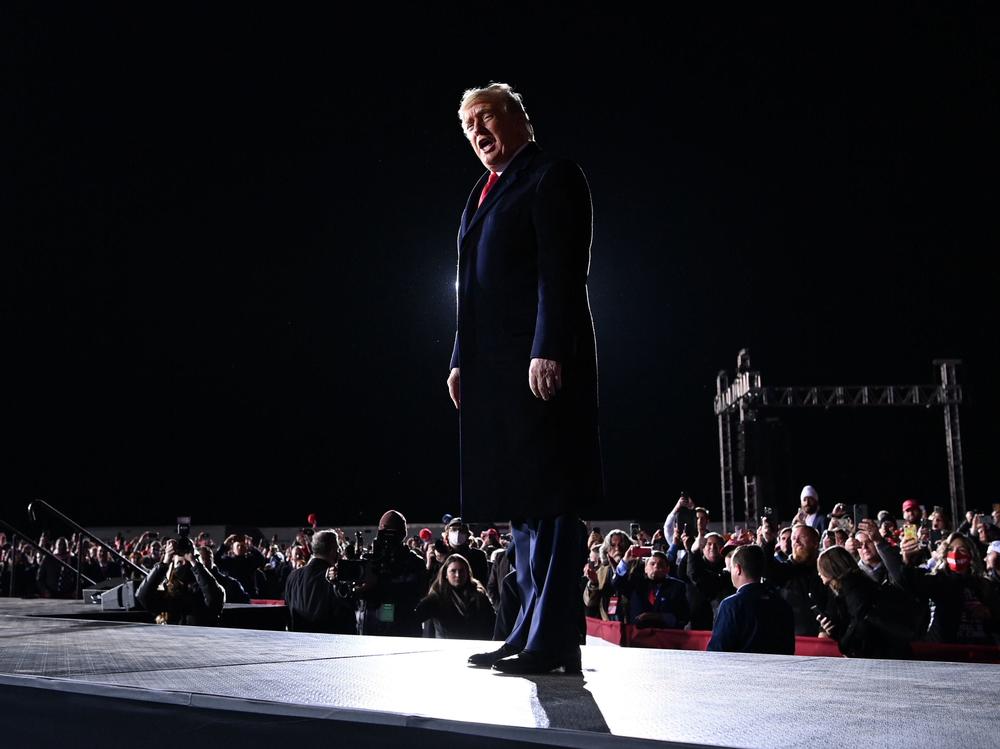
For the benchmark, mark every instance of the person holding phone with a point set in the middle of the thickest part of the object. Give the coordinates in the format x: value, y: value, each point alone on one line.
x: 866, y: 619
x: 600, y: 596
x: 655, y: 599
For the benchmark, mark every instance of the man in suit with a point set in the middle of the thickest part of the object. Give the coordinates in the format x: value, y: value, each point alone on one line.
x: 313, y: 602
x: 524, y: 372
x: 755, y: 619
x: 654, y: 598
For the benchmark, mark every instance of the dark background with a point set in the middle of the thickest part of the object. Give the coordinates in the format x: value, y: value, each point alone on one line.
x: 231, y: 247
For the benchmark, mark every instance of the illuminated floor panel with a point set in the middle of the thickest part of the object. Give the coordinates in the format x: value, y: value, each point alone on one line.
x: 672, y: 696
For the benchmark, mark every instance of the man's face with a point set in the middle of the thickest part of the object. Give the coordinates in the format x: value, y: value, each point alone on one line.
x: 494, y: 133
x: 804, y: 545
x: 712, y: 549
x: 866, y: 549
x: 913, y: 514
x: 239, y: 548
x: 702, y: 520
x: 993, y: 562
x: 785, y: 541
x: 656, y: 568
x: 809, y: 504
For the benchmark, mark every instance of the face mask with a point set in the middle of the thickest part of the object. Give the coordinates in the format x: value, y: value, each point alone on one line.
x: 959, y: 560
x: 457, y: 539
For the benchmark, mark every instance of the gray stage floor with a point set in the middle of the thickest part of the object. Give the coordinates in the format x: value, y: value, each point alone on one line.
x: 673, y: 696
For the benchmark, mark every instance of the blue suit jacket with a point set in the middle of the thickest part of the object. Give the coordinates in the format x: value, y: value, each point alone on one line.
x: 755, y: 619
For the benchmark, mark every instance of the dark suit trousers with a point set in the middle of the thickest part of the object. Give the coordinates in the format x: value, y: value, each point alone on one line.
x: 548, y: 558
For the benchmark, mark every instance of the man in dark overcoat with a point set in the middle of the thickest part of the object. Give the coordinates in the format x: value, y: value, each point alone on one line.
x: 524, y: 371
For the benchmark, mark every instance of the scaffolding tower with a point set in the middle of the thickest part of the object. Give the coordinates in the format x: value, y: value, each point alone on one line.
x: 738, y: 405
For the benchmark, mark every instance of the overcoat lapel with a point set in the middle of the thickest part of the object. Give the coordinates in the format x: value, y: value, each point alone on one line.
x: 474, y: 215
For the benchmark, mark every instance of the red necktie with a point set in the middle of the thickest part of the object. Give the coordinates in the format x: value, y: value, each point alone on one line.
x: 489, y: 186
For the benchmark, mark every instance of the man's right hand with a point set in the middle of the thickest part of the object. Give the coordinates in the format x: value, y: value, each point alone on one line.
x: 590, y: 573
x: 453, y: 390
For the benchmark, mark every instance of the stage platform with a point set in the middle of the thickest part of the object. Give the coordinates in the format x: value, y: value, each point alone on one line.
x: 133, y: 685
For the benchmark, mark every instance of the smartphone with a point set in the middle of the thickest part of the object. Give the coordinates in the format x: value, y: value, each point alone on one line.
x: 910, y: 532
x: 633, y: 529
x: 860, y: 512
x: 641, y: 551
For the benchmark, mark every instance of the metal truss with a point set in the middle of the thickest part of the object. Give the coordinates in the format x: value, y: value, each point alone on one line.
x: 738, y: 403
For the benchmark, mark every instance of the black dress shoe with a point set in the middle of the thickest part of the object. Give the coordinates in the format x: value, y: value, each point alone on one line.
x: 488, y: 659
x: 528, y: 663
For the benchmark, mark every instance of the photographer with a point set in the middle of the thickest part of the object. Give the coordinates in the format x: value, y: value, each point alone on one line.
x: 390, y: 581
x: 190, y: 594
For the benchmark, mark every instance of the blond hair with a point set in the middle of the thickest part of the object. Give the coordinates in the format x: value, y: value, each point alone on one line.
x: 500, y: 93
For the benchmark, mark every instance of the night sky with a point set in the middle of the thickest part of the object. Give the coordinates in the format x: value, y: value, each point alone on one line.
x: 230, y: 247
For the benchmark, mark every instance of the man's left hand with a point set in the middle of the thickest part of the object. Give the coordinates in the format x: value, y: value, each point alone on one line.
x: 544, y: 378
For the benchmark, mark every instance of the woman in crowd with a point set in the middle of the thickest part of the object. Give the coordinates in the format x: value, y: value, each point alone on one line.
x: 179, y: 590
x: 966, y: 606
x: 456, y: 605
x: 866, y: 619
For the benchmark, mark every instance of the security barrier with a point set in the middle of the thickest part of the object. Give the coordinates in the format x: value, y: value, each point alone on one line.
x: 630, y: 636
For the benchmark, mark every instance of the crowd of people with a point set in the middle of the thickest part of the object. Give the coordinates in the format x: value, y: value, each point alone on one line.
x: 873, y: 584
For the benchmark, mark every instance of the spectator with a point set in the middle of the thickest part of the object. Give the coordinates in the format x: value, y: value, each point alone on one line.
x: 435, y: 555
x: 888, y: 528
x: 797, y: 581
x: 869, y: 560
x: 491, y: 542
x: 314, y: 603
x: 595, y: 537
x: 939, y: 526
x: 702, y: 519
x: 840, y: 520
x: 681, y: 519
x: 783, y: 545
x: 829, y: 539
x: 600, y: 594
x: 755, y: 619
x: 966, y: 606
x: 242, y: 561
x: 189, y: 595
x: 654, y: 598
x: 913, y: 513
x: 100, y: 566
x: 867, y: 620
x: 57, y: 580
x: 710, y: 581
x: 992, y: 562
x: 500, y: 567
x: 456, y: 605
x: 457, y: 536
x: 809, y: 513
x: 235, y: 593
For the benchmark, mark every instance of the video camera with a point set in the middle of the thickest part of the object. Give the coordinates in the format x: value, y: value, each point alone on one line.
x: 377, y: 561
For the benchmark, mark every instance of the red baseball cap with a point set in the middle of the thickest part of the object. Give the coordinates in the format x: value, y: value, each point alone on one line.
x: 910, y: 504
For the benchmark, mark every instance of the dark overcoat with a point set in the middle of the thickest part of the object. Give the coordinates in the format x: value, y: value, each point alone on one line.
x: 523, y: 261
